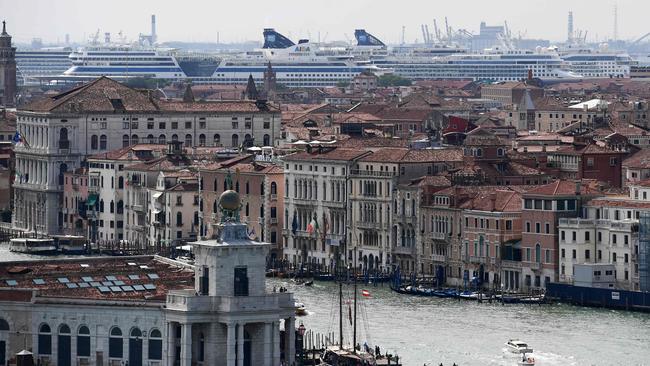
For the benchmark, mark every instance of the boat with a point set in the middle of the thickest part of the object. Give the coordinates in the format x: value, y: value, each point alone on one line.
x: 526, y: 360
x: 41, y: 246
x: 301, y: 310
x: 517, y: 346
x: 309, y: 283
x: 304, y: 64
x: 469, y: 295
x: 70, y: 244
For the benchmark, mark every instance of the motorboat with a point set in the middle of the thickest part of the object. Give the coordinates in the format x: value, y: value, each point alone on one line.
x: 517, y: 346
x: 469, y: 295
x: 309, y: 283
x: 33, y: 245
x: 301, y: 310
x: 526, y: 360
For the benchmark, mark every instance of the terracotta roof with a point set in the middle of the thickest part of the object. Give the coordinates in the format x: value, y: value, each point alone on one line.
x: 243, y: 106
x: 328, y: 154
x: 504, y: 201
x: 624, y: 201
x: 138, y: 152
x: 640, y: 160
x: 564, y: 188
x: 401, y: 155
x: 148, y: 269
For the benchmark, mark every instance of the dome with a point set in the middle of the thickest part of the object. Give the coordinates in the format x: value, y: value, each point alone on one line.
x: 229, y: 200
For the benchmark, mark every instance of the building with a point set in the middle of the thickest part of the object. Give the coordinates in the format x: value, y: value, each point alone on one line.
x: 75, y: 203
x: 317, y: 206
x: 510, y: 93
x: 588, y: 160
x: 7, y: 69
x: 149, y: 310
x: 104, y: 115
x: 544, y: 209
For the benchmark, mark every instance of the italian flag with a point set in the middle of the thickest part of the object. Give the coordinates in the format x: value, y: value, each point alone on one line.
x: 313, y: 226
x: 365, y: 293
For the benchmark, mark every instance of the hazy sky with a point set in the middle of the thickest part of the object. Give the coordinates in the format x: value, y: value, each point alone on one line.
x: 238, y: 20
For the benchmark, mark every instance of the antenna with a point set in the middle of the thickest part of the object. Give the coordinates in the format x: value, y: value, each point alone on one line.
x: 403, y: 31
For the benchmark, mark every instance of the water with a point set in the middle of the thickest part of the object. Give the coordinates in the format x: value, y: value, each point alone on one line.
x: 434, y: 330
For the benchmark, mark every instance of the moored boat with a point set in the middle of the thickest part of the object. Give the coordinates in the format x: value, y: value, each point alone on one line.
x: 517, y: 346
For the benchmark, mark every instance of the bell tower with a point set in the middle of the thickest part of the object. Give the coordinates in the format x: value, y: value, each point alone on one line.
x: 7, y: 69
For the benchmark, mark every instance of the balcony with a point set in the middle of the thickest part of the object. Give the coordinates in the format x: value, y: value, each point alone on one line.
x: 402, y: 250
x: 441, y: 258
x: 188, y: 301
x: 304, y: 202
x: 372, y: 173
x: 369, y: 225
x: 137, y: 207
x: 440, y: 236
x: 506, y: 264
x: 335, y: 204
x: 576, y: 223
x: 535, y: 266
x: 478, y: 260
x: 273, y: 197
x: 273, y: 221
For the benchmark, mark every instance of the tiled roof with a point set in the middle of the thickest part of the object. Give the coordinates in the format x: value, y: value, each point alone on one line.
x: 400, y: 155
x: 640, y: 160
x: 564, y: 188
x: 504, y: 201
x: 243, y: 106
x: 328, y: 154
x: 624, y: 201
x: 123, y: 153
x: 148, y: 269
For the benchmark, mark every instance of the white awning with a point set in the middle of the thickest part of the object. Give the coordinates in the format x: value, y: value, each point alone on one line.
x: 157, y: 195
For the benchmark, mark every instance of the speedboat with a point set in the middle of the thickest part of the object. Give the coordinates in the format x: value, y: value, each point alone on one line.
x: 469, y: 295
x: 301, y: 310
x: 517, y: 346
x: 526, y: 360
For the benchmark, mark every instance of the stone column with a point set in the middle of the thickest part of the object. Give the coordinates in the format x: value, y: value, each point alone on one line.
x: 267, y: 344
x: 212, y: 344
x: 186, y: 345
x: 290, y: 339
x: 240, y: 344
x: 230, y: 345
x: 275, y: 331
x: 171, y: 343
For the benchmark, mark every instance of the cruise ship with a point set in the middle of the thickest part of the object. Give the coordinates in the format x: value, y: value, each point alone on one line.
x: 597, y: 64
x: 295, y: 65
x: 124, y: 61
x: 446, y: 62
x: 34, y: 64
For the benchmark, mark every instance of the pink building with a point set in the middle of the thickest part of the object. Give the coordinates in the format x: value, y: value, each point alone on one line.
x: 75, y: 202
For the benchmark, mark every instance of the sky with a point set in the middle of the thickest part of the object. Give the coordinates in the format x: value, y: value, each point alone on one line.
x: 237, y: 20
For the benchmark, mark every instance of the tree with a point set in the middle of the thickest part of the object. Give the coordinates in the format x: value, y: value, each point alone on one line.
x: 393, y: 80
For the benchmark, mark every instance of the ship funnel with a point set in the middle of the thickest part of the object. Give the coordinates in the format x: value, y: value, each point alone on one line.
x: 273, y: 39
x: 366, y: 39
x: 153, y: 29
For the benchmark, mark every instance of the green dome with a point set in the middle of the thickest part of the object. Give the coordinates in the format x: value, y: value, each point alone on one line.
x: 229, y: 200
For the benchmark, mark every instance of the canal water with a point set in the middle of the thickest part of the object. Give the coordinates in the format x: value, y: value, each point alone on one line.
x: 427, y: 330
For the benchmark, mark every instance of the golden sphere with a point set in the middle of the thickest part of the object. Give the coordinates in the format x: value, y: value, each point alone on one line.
x: 229, y: 200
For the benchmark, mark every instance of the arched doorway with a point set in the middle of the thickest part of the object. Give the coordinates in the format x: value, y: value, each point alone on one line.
x: 63, y: 349
x: 135, y: 347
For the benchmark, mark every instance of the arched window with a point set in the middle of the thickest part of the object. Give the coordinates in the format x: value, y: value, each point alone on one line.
x: 215, y: 205
x: 266, y: 141
x: 83, y: 342
x: 64, y: 143
x: 248, y: 140
x: 45, y: 340
x: 125, y: 140
x: 479, y: 152
x: 120, y: 182
x: 248, y: 188
x: 115, y: 343
x: 235, y: 140
x: 101, y: 205
x: 188, y: 140
x: 179, y: 219
x: 215, y: 185
x: 151, y: 139
x: 162, y: 139
x: 4, y: 326
x: 217, y: 139
x: 134, y: 139
x: 174, y: 137
x: 155, y: 345
x: 64, y: 349
x: 274, y: 188
x: 201, y: 140
x: 63, y: 168
x: 499, y: 152
x: 538, y: 253
x: 135, y: 346
x: 94, y: 142
x: 102, y: 142
x: 120, y: 207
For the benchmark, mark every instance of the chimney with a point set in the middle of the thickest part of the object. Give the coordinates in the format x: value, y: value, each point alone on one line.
x: 154, y: 38
x: 493, y: 199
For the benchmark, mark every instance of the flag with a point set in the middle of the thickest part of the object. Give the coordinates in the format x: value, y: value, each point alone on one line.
x: 19, y: 140
x: 294, y: 224
x: 313, y: 226
x: 365, y: 293
x: 251, y: 234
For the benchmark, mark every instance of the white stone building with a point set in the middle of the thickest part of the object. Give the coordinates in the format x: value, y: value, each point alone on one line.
x: 104, y: 115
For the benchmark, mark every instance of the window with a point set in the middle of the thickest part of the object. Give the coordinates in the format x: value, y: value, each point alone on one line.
x: 64, y: 143
x: 161, y: 125
x: 563, y: 253
x: 45, y: 340
x: 155, y: 345
x: 151, y: 139
x: 201, y: 140
x: 573, y: 236
x: 94, y: 142
x: 613, y: 238
x: 179, y: 219
x: 587, y: 254
x: 150, y: 125
x: 83, y: 341
x: 134, y: 139
x: 266, y: 141
x: 538, y: 227
x: 188, y: 140
x: 612, y: 161
x: 527, y: 227
x: 587, y: 236
x: 115, y: 343
x: 174, y: 125
x: 216, y: 139
x: 614, y: 257
x: 508, y: 224
x: 235, y: 140
x: 125, y: 140
x: 162, y: 139
x: 241, y: 281
x: 590, y: 162
x: 573, y: 254
x: 188, y: 124
x: 547, y: 228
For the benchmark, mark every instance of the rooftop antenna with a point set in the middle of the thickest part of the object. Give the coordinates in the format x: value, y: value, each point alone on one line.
x: 403, y: 32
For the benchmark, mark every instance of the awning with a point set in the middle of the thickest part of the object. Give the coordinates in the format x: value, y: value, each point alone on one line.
x: 157, y: 195
x: 92, y: 199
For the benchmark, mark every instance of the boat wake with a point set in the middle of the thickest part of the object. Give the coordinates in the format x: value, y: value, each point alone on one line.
x: 541, y: 359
